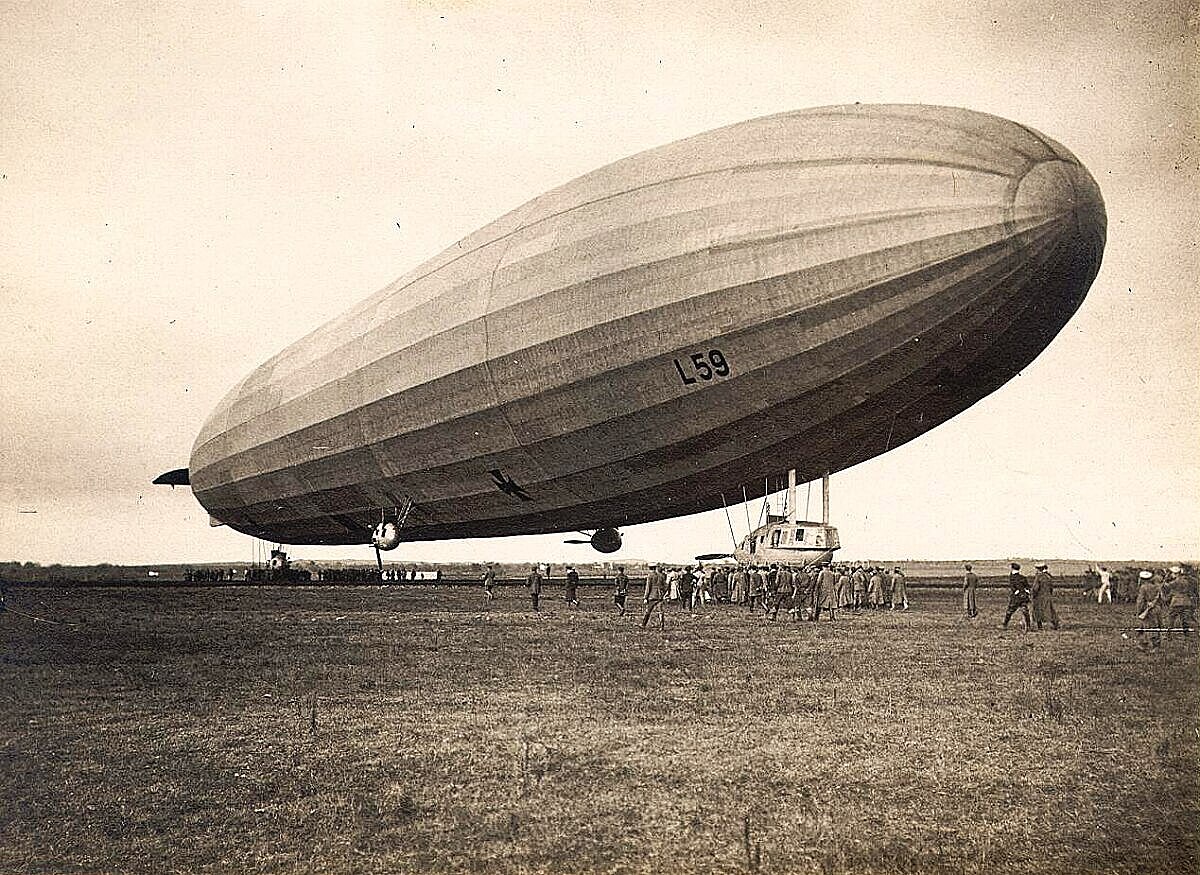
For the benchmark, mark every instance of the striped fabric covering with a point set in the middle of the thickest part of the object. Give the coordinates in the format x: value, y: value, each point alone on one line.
x: 846, y: 277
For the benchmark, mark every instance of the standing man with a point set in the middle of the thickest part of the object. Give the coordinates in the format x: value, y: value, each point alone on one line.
x: 875, y: 594
x: 569, y: 589
x: 1180, y: 600
x: 783, y: 590
x: 1149, y: 607
x: 687, y: 582
x: 858, y: 580
x: 899, y: 590
x: 970, y: 584
x: 656, y: 584
x: 824, y: 593
x: 534, y: 581
x: 1042, y: 595
x: 1018, y: 596
x: 622, y: 582
x: 489, y: 580
x: 1104, y: 593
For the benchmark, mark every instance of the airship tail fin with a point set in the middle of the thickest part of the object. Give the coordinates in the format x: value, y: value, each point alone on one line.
x: 178, y: 477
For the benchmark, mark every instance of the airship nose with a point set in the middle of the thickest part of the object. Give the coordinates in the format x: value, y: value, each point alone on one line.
x: 1061, y: 199
x: 1061, y: 190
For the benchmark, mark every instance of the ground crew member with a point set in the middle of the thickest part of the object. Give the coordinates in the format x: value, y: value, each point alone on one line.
x: 1148, y: 607
x: 858, y: 580
x: 1018, y: 596
x: 720, y: 584
x: 899, y: 590
x: 571, y: 585
x: 875, y: 593
x: 783, y: 590
x: 802, y: 582
x: 1042, y: 596
x: 824, y: 593
x: 656, y: 585
x: 1180, y: 600
x: 740, y: 581
x: 1105, y: 590
x: 534, y: 581
x: 489, y: 580
x: 622, y: 591
x: 970, y: 584
x: 758, y: 586
x: 687, y: 583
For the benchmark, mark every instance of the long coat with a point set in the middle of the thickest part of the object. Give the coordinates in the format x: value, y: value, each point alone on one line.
x: 1042, y: 596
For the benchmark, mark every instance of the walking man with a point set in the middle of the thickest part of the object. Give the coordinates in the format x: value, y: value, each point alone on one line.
x: 656, y: 583
x: 1042, y: 596
x: 1149, y: 607
x: 534, y: 581
x: 824, y: 593
x: 622, y: 591
x: 970, y: 583
x: 1180, y: 600
x: 1018, y: 596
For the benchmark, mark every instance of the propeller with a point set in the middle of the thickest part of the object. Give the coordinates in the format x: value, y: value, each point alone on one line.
x: 705, y: 557
x: 578, y: 541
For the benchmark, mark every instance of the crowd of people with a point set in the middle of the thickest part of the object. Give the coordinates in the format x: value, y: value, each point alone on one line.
x: 803, y: 592
x: 821, y: 590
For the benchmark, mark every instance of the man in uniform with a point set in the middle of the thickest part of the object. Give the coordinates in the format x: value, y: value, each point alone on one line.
x: 720, y: 584
x: 570, y: 587
x: 858, y: 580
x: 1180, y: 600
x: 783, y: 590
x: 656, y: 585
x: 899, y: 590
x: 970, y: 584
x: 687, y: 583
x: 1149, y: 607
x: 622, y: 591
x: 534, y: 581
x: 824, y: 593
x: 1018, y: 596
x: 875, y: 594
x: 802, y: 588
x: 1042, y: 596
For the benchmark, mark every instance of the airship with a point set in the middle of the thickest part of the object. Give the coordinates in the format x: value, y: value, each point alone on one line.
x: 804, y: 291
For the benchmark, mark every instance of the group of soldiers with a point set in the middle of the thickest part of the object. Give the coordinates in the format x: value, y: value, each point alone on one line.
x: 1171, y: 596
x: 805, y: 592
x: 1023, y: 595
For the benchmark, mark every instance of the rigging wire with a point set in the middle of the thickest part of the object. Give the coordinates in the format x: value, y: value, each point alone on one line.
x: 728, y: 521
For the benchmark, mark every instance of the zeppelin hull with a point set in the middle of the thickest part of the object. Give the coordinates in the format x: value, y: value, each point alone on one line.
x: 806, y: 290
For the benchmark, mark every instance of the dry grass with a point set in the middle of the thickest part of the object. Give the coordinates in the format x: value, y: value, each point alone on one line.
x: 406, y: 729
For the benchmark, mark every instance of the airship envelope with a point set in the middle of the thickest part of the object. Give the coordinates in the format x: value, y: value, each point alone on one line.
x: 805, y: 290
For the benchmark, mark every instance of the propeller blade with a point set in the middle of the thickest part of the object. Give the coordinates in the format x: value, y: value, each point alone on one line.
x: 704, y: 557
x: 577, y: 541
x: 378, y: 558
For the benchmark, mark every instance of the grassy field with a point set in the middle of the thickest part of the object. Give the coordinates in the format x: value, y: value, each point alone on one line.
x: 410, y: 729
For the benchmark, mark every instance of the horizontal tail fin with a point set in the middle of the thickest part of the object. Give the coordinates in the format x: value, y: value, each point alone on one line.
x: 178, y: 477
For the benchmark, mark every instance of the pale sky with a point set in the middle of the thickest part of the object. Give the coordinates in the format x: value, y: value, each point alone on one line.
x: 185, y: 190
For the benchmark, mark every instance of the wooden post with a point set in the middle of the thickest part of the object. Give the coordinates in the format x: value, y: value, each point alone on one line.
x: 791, y: 496
x: 825, y: 498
